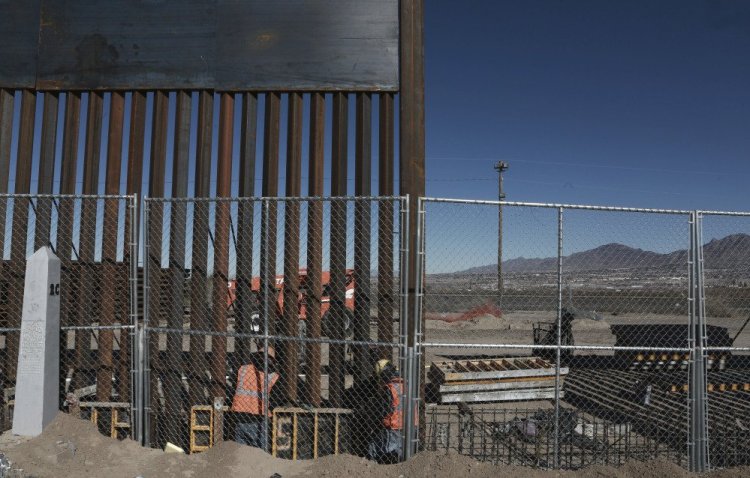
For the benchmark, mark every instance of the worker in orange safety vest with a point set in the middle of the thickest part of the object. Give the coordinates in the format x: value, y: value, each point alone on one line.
x: 248, y: 405
x: 387, y: 443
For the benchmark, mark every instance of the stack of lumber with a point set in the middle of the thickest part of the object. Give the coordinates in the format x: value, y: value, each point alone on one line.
x: 495, y: 379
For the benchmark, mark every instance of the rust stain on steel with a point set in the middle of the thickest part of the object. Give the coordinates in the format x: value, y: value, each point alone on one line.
x: 335, y: 319
x: 268, y: 227
x: 412, y: 146
x: 20, y: 221
x: 68, y: 295
x: 244, y: 304
x: 199, y: 313
x: 289, y: 352
x: 156, y: 218
x: 221, y: 246
x: 6, y: 129
x: 386, y: 299
x: 176, y: 272
x: 87, y: 272
x: 111, y: 269
x: 132, y: 187
x: 362, y: 243
x: 46, y: 170
x: 315, y: 245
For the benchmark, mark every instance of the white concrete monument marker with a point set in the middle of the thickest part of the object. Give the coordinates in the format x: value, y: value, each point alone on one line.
x: 38, y: 377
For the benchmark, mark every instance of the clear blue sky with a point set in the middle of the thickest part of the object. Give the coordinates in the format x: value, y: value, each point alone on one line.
x: 637, y: 103
x: 630, y: 103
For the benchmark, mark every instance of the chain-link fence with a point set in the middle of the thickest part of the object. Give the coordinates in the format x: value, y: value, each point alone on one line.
x: 93, y: 236
x: 302, y: 296
x: 551, y: 336
x: 726, y: 271
x: 563, y: 336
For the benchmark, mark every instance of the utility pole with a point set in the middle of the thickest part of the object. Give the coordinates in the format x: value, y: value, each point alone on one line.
x: 500, y: 167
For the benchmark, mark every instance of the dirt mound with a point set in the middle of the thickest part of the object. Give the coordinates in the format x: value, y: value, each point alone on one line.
x: 73, y: 447
x: 453, y: 465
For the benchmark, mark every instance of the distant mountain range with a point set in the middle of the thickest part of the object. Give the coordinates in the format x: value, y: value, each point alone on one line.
x: 730, y: 252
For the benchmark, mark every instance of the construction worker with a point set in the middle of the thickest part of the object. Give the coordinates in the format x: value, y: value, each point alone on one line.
x: 386, y: 445
x: 248, y: 404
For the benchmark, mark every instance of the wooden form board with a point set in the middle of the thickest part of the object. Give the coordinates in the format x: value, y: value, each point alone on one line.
x: 496, y: 379
x: 493, y: 368
x: 501, y: 396
x: 223, y: 44
x: 300, y: 433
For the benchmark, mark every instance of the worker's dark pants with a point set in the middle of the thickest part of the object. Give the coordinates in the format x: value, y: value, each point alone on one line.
x: 251, y: 430
x: 387, y: 446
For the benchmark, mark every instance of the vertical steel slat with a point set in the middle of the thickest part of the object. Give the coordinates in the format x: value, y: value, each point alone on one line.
x: 289, y: 356
x: 46, y: 171
x: 314, y: 285
x: 69, y: 275
x: 176, y: 271
x: 386, y: 299
x: 244, y: 304
x: 6, y: 131
x: 337, y: 313
x: 87, y: 281
x: 412, y: 147
x: 362, y: 242
x: 199, y: 313
x: 154, y: 228
x: 221, y: 246
x: 20, y: 223
x: 112, y: 272
x: 133, y: 185
x: 268, y: 227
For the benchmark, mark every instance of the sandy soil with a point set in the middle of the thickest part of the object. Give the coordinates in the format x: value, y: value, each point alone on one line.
x: 72, y: 447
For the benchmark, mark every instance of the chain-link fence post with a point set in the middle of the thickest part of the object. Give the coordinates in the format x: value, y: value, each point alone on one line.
x: 411, y: 365
x: 267, y: 283
x: 136, y: 364
x: 697, y: 380
x: 556, y: 451
x: 143, y: 342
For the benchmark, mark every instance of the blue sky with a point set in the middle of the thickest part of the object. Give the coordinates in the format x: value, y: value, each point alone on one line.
x: 636, y: 103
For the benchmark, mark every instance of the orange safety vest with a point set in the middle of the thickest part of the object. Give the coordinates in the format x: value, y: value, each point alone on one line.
x: 394, y: 420
x: 250, y: 394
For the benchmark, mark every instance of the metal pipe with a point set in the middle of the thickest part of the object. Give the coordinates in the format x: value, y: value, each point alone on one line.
x: 556, y: 205
x: 556, y: 459
x: 553, y: 347
x: 411, y: 328
x: 133, y: 385
x: 266, y: 311
x: 275, y: 338
x: 143, y: 342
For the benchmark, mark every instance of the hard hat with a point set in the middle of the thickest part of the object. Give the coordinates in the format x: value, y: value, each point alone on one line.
x: 381, y: 365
